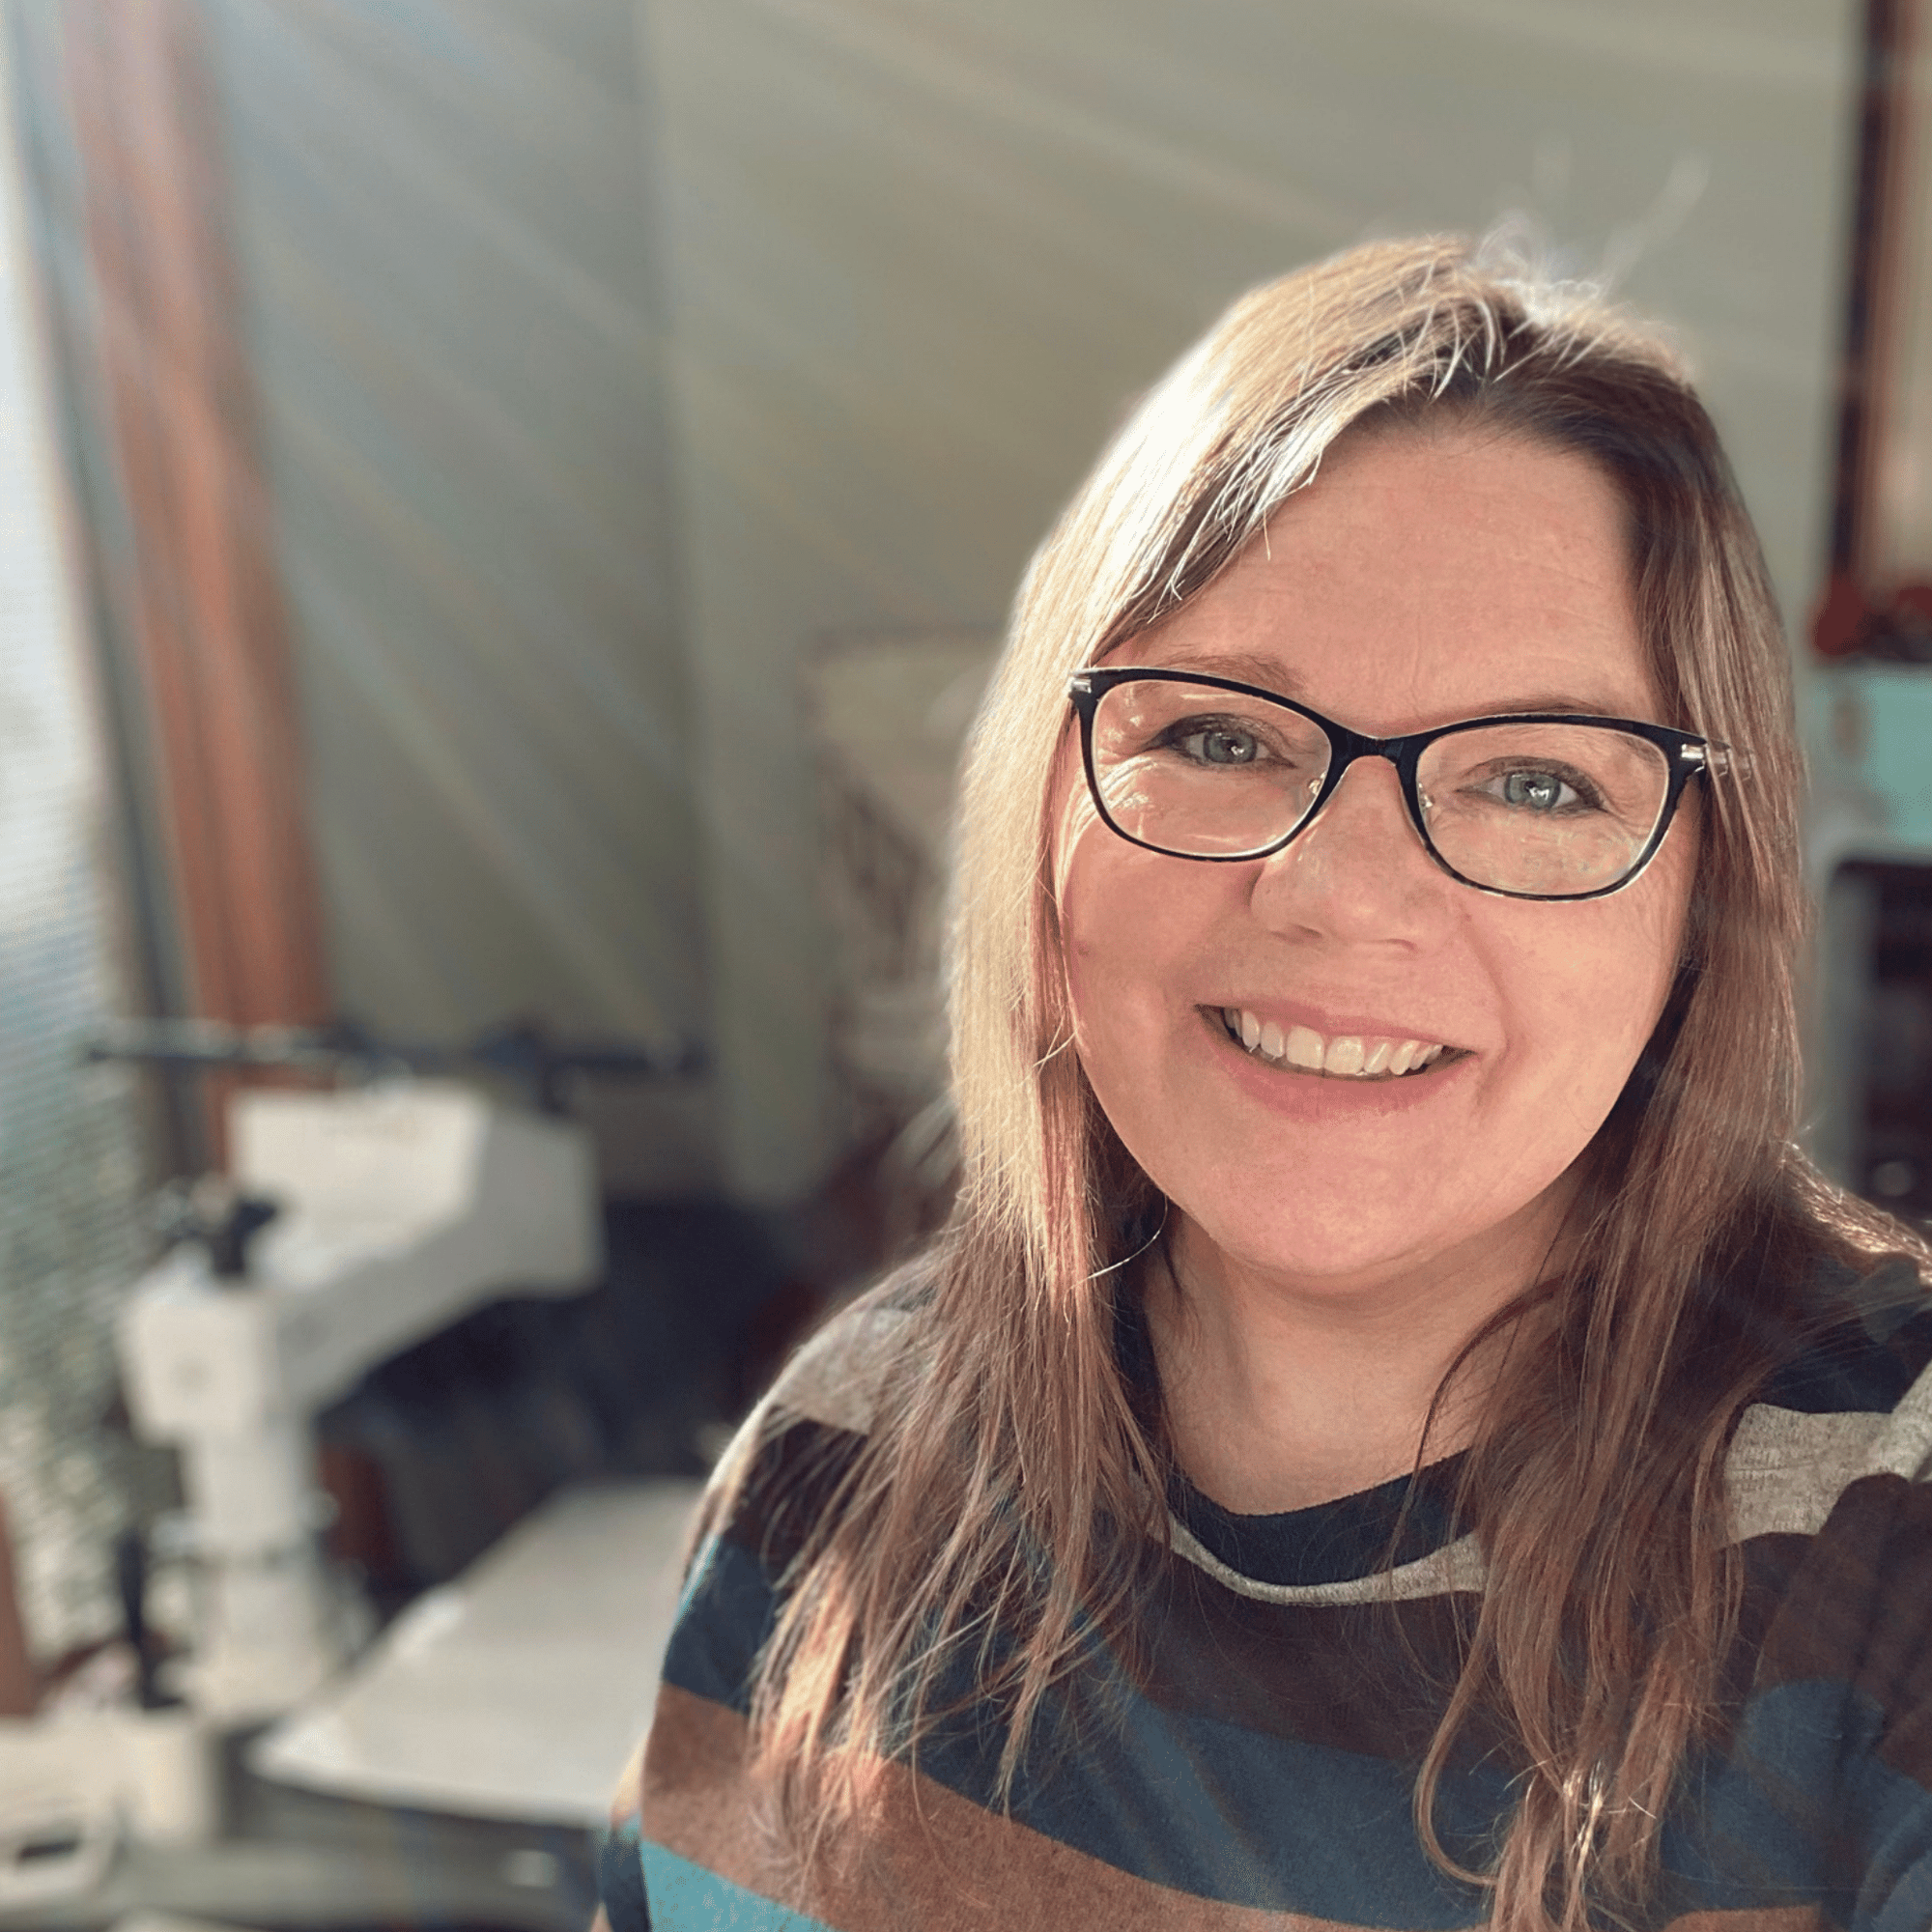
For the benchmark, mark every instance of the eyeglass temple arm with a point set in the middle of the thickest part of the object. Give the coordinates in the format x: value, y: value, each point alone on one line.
x: 1720, y: 761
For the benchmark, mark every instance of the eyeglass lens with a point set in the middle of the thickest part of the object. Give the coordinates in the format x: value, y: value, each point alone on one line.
x: 1544, y: 810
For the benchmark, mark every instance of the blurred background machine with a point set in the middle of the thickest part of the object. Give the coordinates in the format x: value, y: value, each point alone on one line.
x: 350, y: 1225
x: 352, y: 1222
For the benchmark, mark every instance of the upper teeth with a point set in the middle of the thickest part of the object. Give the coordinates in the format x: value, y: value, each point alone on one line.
x: 1348, y: 1053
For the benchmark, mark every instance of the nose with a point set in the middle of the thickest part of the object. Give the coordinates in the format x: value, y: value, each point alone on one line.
x: 1358, y: 874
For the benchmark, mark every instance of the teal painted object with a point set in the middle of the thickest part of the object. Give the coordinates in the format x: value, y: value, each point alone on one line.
x: 1898, y: 755
x: 1869, y: 736
x: 685, y: 1897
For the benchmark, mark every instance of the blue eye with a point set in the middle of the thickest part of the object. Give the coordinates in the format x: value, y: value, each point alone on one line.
x: 1538, y: 791
x: 1217, y: 745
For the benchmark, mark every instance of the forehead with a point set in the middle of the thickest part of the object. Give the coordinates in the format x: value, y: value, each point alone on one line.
x: 1429, y: 575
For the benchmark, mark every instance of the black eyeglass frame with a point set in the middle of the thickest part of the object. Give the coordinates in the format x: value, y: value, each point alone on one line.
x: 1686, y: 756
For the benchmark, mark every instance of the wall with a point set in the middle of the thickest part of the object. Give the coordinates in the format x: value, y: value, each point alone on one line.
x: 923, y: 255
x: 616, y: 355
x: 454, y: 307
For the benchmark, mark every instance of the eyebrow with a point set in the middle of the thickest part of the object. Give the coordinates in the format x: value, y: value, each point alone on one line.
x: 1245, y: 668
x: 1271, y: 674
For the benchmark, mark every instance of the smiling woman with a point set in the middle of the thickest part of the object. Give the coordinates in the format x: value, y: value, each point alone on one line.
x: 1394, y: 1434
x: 1370, y: 1222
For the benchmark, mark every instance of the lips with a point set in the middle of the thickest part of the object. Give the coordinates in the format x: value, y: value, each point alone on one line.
x: 1340, y: 1056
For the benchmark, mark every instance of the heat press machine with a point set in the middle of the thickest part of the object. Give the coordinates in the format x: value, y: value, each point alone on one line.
x: 355, y: 1219
x: 352, y: 1224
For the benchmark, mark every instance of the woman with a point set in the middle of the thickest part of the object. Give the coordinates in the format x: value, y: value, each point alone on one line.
x: 1393, y: 1433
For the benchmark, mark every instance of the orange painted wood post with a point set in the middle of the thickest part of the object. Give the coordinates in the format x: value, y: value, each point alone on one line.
x: 205, y: 606
x: 19, y: 1689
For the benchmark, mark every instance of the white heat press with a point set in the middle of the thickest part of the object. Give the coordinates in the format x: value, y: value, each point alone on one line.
x: 400, y: 1207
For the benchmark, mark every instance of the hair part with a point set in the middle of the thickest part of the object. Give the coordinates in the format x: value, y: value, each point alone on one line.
x: 1007, y: 1499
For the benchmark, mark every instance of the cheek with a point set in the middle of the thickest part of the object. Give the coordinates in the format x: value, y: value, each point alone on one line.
x: 1074, y: 824
x: 1133, y: 929
x: 1587, y: 993
x: 1113, y: 936
x: 1114, y: 914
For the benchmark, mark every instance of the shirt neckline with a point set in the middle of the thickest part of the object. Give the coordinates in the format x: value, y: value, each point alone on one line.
x: 1354, y: 1536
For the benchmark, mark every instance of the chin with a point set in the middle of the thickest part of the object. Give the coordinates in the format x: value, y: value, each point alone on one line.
x: 1309, y: 1223
x: 1301, y: 1220
x: 1313, y: 1255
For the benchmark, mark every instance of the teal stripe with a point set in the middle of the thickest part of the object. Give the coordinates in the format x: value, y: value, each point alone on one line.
x: 685, y: 1897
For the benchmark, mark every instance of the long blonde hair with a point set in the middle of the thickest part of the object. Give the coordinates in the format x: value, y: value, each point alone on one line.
x: 1596, y: 1492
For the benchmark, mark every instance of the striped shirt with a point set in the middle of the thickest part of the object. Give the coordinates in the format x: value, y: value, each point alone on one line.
x: 1255, y: 1768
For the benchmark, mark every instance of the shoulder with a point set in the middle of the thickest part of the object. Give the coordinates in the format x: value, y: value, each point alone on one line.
x: 843, y: 1373
x: 1852, y: 1408
x: 1830, y: 1740
x: 780, y: 1483
x: 823, y: 1405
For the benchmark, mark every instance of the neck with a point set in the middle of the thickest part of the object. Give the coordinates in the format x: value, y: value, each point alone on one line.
x: 1281, y: 1392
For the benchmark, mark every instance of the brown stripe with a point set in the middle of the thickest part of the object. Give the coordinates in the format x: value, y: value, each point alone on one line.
x: 1368, y: 1679
x: 939, y: 1861
x: 1853, y: 1606
x: 1757, y: 1919
x: 933, y: 1858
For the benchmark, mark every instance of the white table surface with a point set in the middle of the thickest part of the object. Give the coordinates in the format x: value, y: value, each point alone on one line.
x: 519, y: 1691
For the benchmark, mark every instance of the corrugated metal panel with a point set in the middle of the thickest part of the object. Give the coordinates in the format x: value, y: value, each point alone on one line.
x: 71, y: 1173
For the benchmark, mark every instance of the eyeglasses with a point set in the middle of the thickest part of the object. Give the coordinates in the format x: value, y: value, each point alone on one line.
x: 1527, y: 805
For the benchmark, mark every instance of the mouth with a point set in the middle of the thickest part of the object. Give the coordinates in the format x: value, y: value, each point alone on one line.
x: 1355, y: 1057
